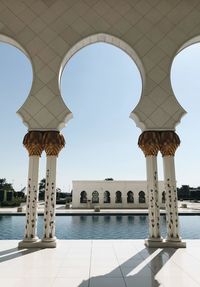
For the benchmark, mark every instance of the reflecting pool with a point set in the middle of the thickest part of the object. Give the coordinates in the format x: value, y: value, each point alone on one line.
x: 98, y: 226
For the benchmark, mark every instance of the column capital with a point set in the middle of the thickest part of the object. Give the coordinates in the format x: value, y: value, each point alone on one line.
x: 53, y: 142
x: 149, y: 142
x: 169, y: 141
x: 33, y: 141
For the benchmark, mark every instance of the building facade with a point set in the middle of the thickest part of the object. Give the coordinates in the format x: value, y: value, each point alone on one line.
x: 113, y: 194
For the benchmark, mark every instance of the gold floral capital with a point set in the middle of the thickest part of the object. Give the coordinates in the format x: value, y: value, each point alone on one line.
x: 53, y: 142
x: 169, y: 141
x: 149, y: 143
x: 33, y: 141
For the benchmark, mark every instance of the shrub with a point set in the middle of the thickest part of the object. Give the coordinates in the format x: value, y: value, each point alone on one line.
x: 13, y: 203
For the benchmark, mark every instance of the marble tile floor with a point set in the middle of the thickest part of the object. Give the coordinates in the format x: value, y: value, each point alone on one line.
x: 100, y: 263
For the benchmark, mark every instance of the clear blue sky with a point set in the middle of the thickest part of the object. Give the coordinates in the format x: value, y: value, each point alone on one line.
x: 101, y: 85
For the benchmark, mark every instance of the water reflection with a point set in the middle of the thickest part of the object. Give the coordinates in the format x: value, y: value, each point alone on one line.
x: 83, y: 218
x: 98, y: 227
x: 142, y: 218
x: 130, y: 218
x: 106, y: 218
x: 95, y: 218
x: 118, y: 218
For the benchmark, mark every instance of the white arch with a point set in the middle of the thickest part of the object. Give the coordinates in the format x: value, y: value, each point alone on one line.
x: 8, y: 40
x: 11, y: 41
x: 103, y: 38
x: 183, y: 46
x: 188, y: 43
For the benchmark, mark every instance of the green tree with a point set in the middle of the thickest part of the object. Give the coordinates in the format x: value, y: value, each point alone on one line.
x: 2, y: 182
x: 5, y: 186
x: 6, y: 193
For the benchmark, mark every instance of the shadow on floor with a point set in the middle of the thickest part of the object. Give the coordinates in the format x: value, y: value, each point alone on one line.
x: 13, y: 253
x: 138, y: 271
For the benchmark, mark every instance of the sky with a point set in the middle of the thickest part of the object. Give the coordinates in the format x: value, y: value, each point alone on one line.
x: 101, y: 85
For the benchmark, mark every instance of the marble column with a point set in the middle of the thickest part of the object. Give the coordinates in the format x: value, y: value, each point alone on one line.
x: 53, y: 143
x: 169, y: 141
x: 149, y: 143
x: 33, y: 143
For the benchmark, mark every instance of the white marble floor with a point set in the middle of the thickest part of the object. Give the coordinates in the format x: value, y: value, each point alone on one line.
x: 99, y: 263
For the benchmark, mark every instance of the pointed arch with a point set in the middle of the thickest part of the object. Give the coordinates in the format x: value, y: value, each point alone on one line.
x: 109, y: 39
x: 142, y: 198
x: 95, y: 197
x: 83, y: 197
x: 130, y: 197
x: 118, y: 197
x: 106, y: 197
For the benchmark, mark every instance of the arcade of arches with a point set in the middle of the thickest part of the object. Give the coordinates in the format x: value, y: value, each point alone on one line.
x: 151, y: 33
x: 112, y: 194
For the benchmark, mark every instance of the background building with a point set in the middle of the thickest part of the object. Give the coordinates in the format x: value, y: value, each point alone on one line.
x: 113, y: 194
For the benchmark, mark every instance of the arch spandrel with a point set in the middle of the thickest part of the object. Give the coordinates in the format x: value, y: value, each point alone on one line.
x: 44, y: 106
x: 160, y: 115
x: 158, y: 108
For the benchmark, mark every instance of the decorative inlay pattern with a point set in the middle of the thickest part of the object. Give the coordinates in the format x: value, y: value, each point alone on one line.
x: 154, y: 208
x: 149, y: 142
x: 171, y: 211
x: 32, y: 197
x: 50, y: 201
x: 164, y: 141
x: 171, y: 199
x: 33, y: 141
x: 169, y: 141
x: 53, y: 142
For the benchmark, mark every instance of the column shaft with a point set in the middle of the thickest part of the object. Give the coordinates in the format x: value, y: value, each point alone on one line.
x: 149, y: 143
x: 50, y: 199
x: 171, y: 199
x: 153, y: 194
x: 32, y: 197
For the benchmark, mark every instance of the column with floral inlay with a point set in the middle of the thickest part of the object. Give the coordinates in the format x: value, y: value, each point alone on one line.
x: 33, y: 143
x: 53, y: 142
x: 149, y: 143
x: 169, y: 141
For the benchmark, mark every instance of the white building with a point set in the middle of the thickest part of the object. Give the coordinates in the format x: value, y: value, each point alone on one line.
x: 113, y: 194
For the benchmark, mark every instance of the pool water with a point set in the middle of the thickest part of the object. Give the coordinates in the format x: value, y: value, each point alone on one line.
x: 98, y: 227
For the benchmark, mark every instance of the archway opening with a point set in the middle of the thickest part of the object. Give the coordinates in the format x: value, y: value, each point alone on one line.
x: 15, y: 84
x: 142, y: 198
x: 101, y: 85
x: 130, y: 197
x: 186, y: 86
x: 106, y: 197
x: 118, y: 197
x: 95, y: 197
x: 83, y: 197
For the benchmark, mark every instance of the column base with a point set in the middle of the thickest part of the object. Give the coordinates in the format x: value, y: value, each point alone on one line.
x: 49, y: 241
x: 37, y: 244
x: 155, y: 239
x: 173, y: 239
x: 165, y: 243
